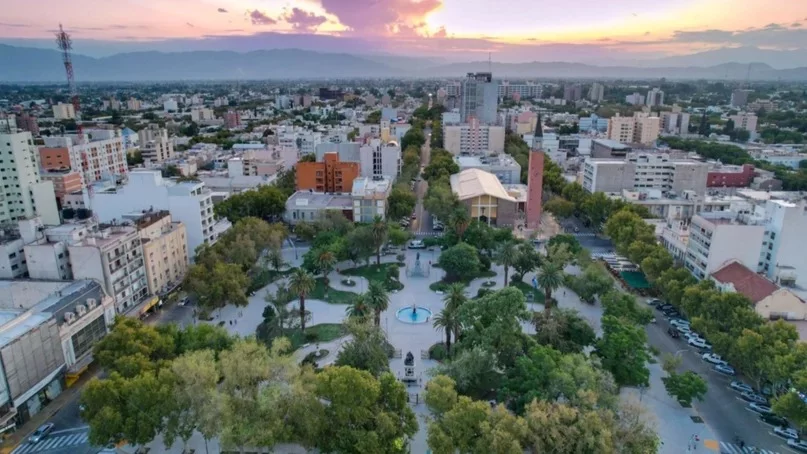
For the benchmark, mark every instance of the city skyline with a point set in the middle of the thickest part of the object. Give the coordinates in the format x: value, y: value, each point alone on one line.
x: 454, y: 29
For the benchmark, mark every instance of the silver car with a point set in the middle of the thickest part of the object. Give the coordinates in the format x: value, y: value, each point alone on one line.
x: 41, y: 433
x: 741, y: 387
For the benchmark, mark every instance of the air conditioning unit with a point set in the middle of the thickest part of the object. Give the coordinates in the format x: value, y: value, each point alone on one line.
x: 69, y: 317
x: 81, y: 309
x: 91, y: 303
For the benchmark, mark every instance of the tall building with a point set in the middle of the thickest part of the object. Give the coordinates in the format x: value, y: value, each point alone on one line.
x: 718, y: 237
x: 636, y: 99
x: 643, y: 172
x: 675, y: 123
x: 189, y: 202
x: 573, y: 93
x: 473, y: 138
x: 165, y: 249
x: 64, y: 111
x: 739, y: 97
x: 597, y: 92
x: 655, y: 97
x: 22, y: 192
x: 64, y: 182
x: 201, y: 114
x: 535, y: 178
x: 232, y: 119
x: 479, y: 97
x: 154, y: 143
x: 747, y: 121
x: 380, y: 159
x: 100, y: 157
x: 593, y: 123
x: 133, y: 104
x: 369, y: 196
x: 621, y: 129
x: 646, y: 128
x: 524, y: 91
x: 28, y: 123
x: 330, y: 175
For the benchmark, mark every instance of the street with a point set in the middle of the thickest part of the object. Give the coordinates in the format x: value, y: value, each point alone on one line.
x: 423, y: 223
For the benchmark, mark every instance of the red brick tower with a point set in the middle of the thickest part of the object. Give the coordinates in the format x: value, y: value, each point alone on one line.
x: 535, y: 178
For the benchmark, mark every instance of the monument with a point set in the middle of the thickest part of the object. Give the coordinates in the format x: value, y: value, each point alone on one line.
x: 409, y: 375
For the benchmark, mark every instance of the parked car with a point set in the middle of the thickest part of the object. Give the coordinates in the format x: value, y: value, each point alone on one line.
x: 680, y: 322
x: 760, y: 408
x: 671, y: 314
x: 786, y: 432
x: 713, y: 358
x: 697, y: 342
x: 439, y: 227
x: 774, y: 420
x: 417, y: 244
x: 682, y: 329
x: 741, y: 387
x: 751, y: 396
x: 725, y: 369
x: 798, y: 445
x: 654, y: 302
x: 673, y: 333
x: 663, y: 307
x: 41, y: 433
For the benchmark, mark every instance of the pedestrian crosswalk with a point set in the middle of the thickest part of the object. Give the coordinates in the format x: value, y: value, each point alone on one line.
x: 730, y: 448
x: 579, y: 235
x: 53, y: 442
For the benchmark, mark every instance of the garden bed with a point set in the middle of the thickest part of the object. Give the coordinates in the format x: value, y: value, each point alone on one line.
x: 330, y: 295
x: 527, y: 290
x: 378, y: 273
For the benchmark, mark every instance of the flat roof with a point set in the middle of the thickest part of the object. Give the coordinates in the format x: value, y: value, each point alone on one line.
x: 611, y: 143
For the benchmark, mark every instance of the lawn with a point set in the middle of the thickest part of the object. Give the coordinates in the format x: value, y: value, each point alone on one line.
x: 324, y: 332
x: 527, y: 289
x: 263, y: 277
x: 442, y: 285
x: 330, y: 295
x: 376, y: 273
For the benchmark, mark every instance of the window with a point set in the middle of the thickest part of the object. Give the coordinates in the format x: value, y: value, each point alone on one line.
x: 88, y: 336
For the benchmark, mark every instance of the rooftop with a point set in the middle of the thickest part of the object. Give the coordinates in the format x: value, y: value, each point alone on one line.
x: 475, y: 182
x: 752, y: 285
x: 479, y: 161
x: 612, y: 144
x: 314, y: 200
x: 368, y: 187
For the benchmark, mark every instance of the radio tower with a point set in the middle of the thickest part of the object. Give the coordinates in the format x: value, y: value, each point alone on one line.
x: 66, y: 45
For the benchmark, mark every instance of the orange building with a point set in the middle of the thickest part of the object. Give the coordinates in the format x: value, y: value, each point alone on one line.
x: 331, y: 175
x: 54, y: 158
x: 64, y: 182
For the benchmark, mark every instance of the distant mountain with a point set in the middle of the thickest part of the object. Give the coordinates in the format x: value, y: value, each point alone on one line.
x: 22, y: 64
x: 743, y: 55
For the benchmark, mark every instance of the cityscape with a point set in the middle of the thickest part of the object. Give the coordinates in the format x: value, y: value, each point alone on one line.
x: 394, y: 231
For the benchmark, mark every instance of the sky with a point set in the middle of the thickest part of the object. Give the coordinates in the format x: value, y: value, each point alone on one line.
x: 509, y: 31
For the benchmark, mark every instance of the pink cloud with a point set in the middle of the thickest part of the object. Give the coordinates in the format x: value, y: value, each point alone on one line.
x: 441, y: 33
x: 381, y: 17
x: 259, y: 18
x: 303, y: 20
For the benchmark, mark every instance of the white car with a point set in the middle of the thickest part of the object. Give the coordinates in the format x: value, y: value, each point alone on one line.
x: 683, y: 329
x: 725, y: 369
x: 697, y: 342
x: 798, y: 445
x: 417, y: 244
x: 760, y: 408
x: 680, y: 322
x: 786, y: 432
x: 741, y: 387
x: 654, y: 301
x: 713, y: 358
x: 751, y: 396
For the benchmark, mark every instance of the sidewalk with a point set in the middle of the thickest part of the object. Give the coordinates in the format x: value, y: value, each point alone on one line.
x: 67, y: 396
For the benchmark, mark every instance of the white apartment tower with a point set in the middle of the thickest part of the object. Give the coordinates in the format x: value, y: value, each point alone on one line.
x: 98, y: 158
x: 378, y: 159
x: 655, y: 97
x: 22, y: 193
x: 154, y: 144
x: 479, y: 96
x: 64, y: 111
x: 473, y: 139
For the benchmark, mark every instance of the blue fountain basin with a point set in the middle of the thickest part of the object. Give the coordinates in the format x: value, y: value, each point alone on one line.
x: 420, y: 315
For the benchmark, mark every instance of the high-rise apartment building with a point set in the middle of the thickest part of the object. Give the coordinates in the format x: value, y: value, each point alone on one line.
x: 739, y: 97
x: 200, y: 114
x: 636, y: 99
x: 133, y: 104
x: 154, y: 144
x: 524, y: 91
x: 473, y: 139
x: 747, y: 121
x: 330, y: 175
x: 621, y: 129
x: 573, y: 93
x: 28, y: 123
x: 97, y: 156
x: 232, y: 119
x: 655, y: 97
x: 645, y: 171
x: 64, y: 111
x: 717, y: 238
x: 597, y: 92
x: 23, y: 194
x: 165, y: 249
x: 675, y: 122
x: 379, y: 159
x: 646, y: 128
x: 479, y: 97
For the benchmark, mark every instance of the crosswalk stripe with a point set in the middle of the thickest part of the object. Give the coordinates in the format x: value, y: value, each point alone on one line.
x: 53, y: 443
x: 730, y: 448
x: 43, y: 445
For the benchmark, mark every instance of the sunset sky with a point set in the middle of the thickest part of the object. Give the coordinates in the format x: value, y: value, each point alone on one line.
x: 512, y: 30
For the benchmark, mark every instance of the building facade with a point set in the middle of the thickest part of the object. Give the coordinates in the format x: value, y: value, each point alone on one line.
x: 22, y: 192
x: 379, y: 159
x: 644, y: 171
x: 64, y: 111
x: 655, y: 97
x: 370, y: 198
x: 714, y: 239
x: 506, y: 169
x: 747, y: 121
x: 98, y: 159
x: 479, y: 95
x: 165, y: 249
x: 473, y: 139
x: 330, y: 175
x: 154, y: 144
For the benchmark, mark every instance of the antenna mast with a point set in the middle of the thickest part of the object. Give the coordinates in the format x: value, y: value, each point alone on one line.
x: 65, y: 44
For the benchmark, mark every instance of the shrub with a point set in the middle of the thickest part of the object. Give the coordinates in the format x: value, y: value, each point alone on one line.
x: 483, y: 291
x: 401, y: 257
x: 484, y: 262
x: 437, y: 352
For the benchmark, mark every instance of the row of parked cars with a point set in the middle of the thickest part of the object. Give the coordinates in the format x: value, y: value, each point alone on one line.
x: 757, y: 402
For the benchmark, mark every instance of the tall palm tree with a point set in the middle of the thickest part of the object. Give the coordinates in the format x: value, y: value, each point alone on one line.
x: 378, y: 300
x: 455, y: 295
x: 447, y: 321
x: 506, y: 256
x: 380, y: 230
x: 360, y: 307
x: 326, y: 262
x: 459, y: 220
x: 550, y: 278
x: 301, y: 283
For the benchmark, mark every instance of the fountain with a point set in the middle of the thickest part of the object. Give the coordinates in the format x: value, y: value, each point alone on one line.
x: 413, y: 314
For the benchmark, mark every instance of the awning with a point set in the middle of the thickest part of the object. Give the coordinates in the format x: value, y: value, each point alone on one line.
x: 149, y: 304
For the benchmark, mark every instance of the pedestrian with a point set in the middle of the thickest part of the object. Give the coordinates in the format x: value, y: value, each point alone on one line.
x: 231, y: 322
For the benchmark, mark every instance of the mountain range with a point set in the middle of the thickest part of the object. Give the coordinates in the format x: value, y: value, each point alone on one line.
x: 24, y: 64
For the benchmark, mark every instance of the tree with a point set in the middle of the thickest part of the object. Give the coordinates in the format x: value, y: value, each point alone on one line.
x: 550, y: 278
x: 414, y: 136
x: 325, y: 263
x: 560, y: 207
x: 625, y: 227
x: 448, y: 322
x: 362, y: 414
x: 441, y: 165
x: 359, y: 244
x: 460, y: 262
x: 215, y: 287
x: 593, y: 282
x: 368, y: 349
x: 528, y: 259
x: 132, y: 348
x: 624, y: 306
x: 440, y: 200
x: 685, y: 387
x: 455, y: 296
x: 597, y: 208
x: 266, y: 202
x: 570, y: 241
x: 440, y: 395
x: 564, y: 330
x: 274, y: 257
x: 506, y: 256
x: 397, y: 236
x: 560, y: 428
x: 134, y: 158
x: 378, y: 300
x: 401, y: 202
x: 623, y: 351
x: 301, y: 284
x: 459, y: 221
x: 379, y: 230
x: 474, y: 371
x: 359, y: 307
x: 193, y: 408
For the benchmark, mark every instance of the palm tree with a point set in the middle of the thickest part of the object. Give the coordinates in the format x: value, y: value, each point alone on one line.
x: 550, y: 278
x: 326, y: 262
x: 459, y: 220
x: 379, y: 229
x: 455, y: 296
x: 302, y: 283
x: 506, y: 256
x: 359, y: 307
x: 447, y: 321
x: 378, y: 300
